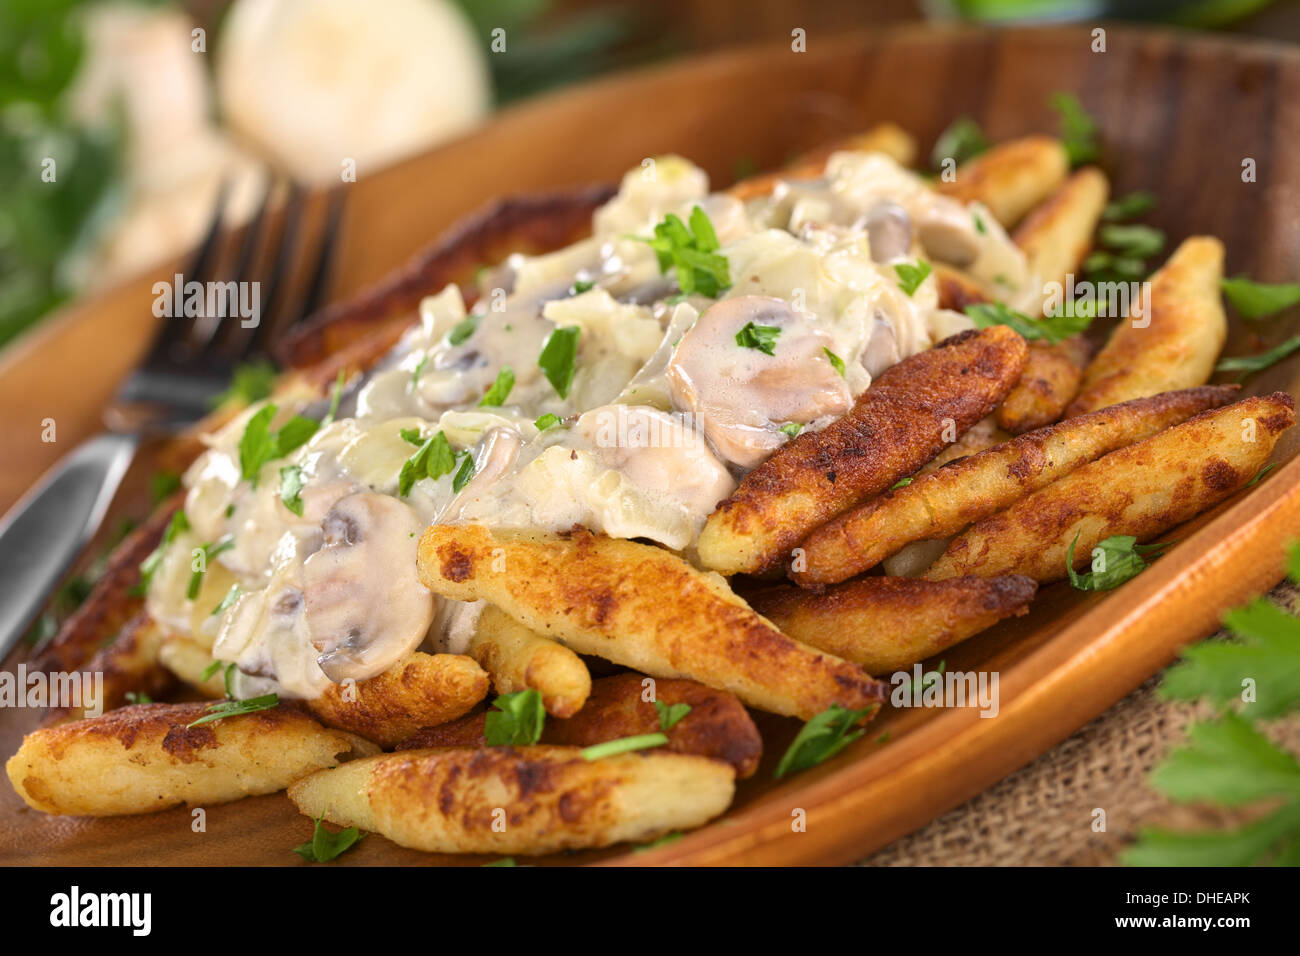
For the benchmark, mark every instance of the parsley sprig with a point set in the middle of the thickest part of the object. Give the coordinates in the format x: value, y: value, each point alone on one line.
x: 259, y: 444
x: 1230, y: 761
x: 515, y: 720
x: 433, y: 458
x: 325, y: 846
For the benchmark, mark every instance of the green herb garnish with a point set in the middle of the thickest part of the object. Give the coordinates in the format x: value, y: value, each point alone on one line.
x: 291, y: 485
x: 791, y: 428
x: 260, y: 445
x: 178, y: 524
x: 210, y: 551
x: 1128, y: 207
x: 516, y: 720
x: 691, y: 252
x: 962, y: 140
x: 463, y: 329
x: 1121, y: 559
x: 559, y: 357
x: 761, y: 337
x: 546, y: 421
x: 670, y: 714
x: 1078, y: 129
x: 250, y: 382
x: 1133, y: 242
x: 325, y: 846
x: 1051, y: 329
x: 235, y: 708
x: 433, y: 459
x: 623, y: 745
x: 911, y: 276
x: 581, y: 286
x: 231, y: 597
x: 822, y: 738
x: 1255, y: 363
x: 837, y: 363
x: 1255, y: 300
x: 500, y: 390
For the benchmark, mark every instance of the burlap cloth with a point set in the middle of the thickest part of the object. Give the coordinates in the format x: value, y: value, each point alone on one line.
x: 1043, y: 814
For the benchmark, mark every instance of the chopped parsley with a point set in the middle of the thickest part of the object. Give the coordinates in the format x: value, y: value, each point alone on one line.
x: 761, y: 337
x: 178, y: 525
x: 325, y: 846
x: 822, y: 738
x: 792, y: 428
x: 1078, y: 129
x: 500, y: 390
x: 1128, y: 207
x: 291, y: 485
x: 900, y: 483
x: 515, y: 720
x: 415, y: 372
x: 559, y: 357
x: 463, y: 329
x: 1256, y: 300
x: 260, y: 445
x: 961, y: 141
x: 231, y: 597
x: 433, y: 459
x: 546, y: 421
x: 210, y: 551
x: 911, y: 276
x: 235, y: 708
x: 692, y: 252
x: 623, y: 745
x: 670, y: 714
x: 837, y: 363
x: 1051, y: 329
x: 336, y: 396
x: 581, y: 285
x: 464, y: 473
x: 1117, y: 559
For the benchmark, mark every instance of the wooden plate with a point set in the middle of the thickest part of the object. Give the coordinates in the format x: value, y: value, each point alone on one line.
x: 1180, y: 114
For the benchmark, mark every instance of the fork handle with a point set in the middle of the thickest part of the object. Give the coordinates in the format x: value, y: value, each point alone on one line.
x: 44, y: 532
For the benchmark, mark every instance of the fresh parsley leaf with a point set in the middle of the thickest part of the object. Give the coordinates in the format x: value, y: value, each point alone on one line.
x: 138, y: 697
x: 664, y: 840
x: 1255, y: 363
x: 1078, y: 129
x: 792, y: 428
x: 1256, y: 300
x: 162, y: 484
x: 231, y: 596
x: 837, y: 363
x: 911, y: 276
x: 464, y: 473
x: 962, y: 140
x: 546, y: 421
x: 623, y: 745
x: 691, y: 253
x: 761, y: 337
x: 500, y: 390
x: 251, y: 382
x: 178, y: 525
x: 581, y: 286
x: 1266, y: 839
x: 900, y: 483
x: 1134, y: 242
x: 1128, y: 207
x: 260, y: 445
x: 1051, y: 329
x: 209, y: 671
x: 433, y: 459
x: 1260, y: 475
x: 1266, y: 651
x: 291, y: 485
x: 412, y: 435
x: 980, y: 227
x: 822, y: 738
x: 325, y: 846
x: 559, y: 357
x: 210, y: 551
x: 235, y: 708
x: 463, y: 329
x: 415, y: 373
x: 1121, y: 559
x: 516, y: 720
x: 670, y: 714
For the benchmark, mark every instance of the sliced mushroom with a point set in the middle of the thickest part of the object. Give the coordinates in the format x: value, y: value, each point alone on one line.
x: 658, y: 451
x: 889, y: 231
x: 881, y: 350
x: 946, y: 230
x: 742, y: 396
x: 497, y: 456
x: 363, y: 603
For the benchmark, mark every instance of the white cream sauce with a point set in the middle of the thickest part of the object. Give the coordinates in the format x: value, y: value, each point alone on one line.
x: 665, y: 412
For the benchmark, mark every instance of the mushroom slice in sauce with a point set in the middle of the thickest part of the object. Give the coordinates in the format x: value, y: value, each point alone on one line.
x: 363, y: 603
x: 741, y: 396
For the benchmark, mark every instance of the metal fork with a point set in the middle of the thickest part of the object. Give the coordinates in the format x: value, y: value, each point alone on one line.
x: 188, y: 365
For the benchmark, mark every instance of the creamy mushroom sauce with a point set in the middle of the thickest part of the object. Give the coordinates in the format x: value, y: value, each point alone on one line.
x: 664, y: 414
